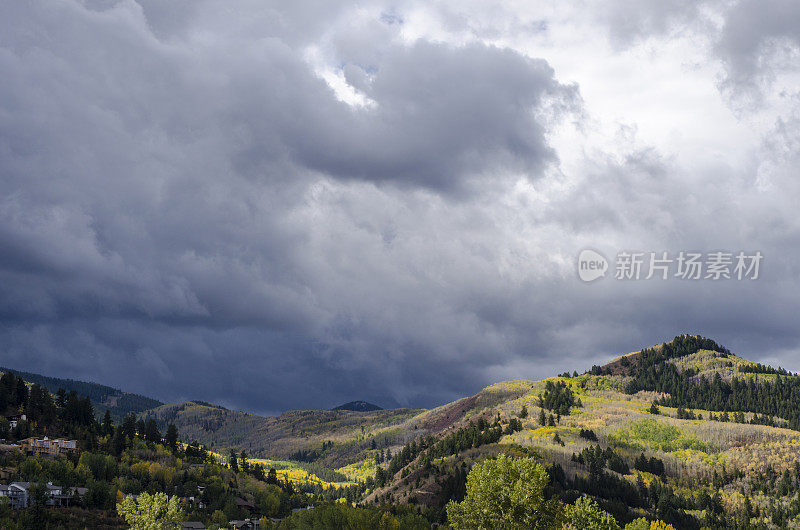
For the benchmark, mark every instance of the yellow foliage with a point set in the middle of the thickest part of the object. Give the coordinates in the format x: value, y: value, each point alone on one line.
x: 295, y: 474
x: 154, y: 468
x: 140, y: 469
x: 359, y: 470
x: 661, y: 525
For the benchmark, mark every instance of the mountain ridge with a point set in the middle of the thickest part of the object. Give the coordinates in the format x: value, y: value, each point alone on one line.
x: 358, y: 406
x: 103, y: 397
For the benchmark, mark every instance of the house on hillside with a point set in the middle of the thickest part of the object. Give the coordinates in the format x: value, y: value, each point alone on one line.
x: 47, y: 446
x: 14, y: 419
x: 19, y: 494
x: 247, y: 506
x: 58, y: 496
x: 191, y: 525
x: 16, y: 493
x: 196, y: 501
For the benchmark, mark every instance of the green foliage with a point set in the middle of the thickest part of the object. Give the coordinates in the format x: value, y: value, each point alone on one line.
x: 596, y: 458
x: 151, y: 512
x: 650, y: 433
x: 132, y: 459
x: 38, y: 494
x: 474, y: 435
x: 558, y: 398
x: 218, y: 518
x: 638, y: 524
x: 171, y: 438
x: 345, y: 516
x: 652, y: 465
x: 772, y: 398
x: 102, y: 467
x: 99, y: 495
x: 504, y: 493
x: 586, y: 514
x: 758, y: 368
x: 588, y: 434
x: 268, y: 501
x: 151, y: 432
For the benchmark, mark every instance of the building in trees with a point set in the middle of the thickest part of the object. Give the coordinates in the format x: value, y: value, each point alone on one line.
x: 47, y: 446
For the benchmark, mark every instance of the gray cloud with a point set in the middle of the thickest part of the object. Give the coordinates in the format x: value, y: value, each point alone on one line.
x: 630, y: 21
x: 758, y: 41
x: 441, y: 115
x: 189, y: 210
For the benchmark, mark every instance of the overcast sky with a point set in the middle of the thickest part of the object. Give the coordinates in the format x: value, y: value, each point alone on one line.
x: 283, y: 205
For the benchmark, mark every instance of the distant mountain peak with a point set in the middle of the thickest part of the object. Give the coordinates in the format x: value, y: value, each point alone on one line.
x: 358, y: 406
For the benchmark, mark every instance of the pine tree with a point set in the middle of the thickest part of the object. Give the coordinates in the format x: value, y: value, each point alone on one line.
x: 118, y: 442
x: 151, y: 432
x: 141, y: 428
x: 108, y: 425
x: 129, y: 426
x: 233, y: 460
x: 172, y: 437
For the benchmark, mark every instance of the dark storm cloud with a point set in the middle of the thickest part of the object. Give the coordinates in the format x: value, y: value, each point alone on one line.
x: 441, y: 115
x: 189, y: 210
x: 160, y: 211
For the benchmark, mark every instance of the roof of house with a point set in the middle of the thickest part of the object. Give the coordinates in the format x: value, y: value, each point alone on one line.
x: 241, y: 524
x: 191, y: 525
x: 27, y: 485
x: 242, y: 502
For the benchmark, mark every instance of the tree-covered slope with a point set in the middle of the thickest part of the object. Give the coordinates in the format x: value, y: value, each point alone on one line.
x: 116, y: 401
x: 336, y: 438
x: 693, y: 458
x: 693, y: 372
x: 684, y: 432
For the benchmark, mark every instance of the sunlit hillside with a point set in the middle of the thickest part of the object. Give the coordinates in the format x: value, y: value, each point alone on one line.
x: 687, y: 417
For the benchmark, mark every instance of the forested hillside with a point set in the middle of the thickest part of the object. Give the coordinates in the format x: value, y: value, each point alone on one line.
x: 334, y: 438
x: 103, y: 397
x: 114, y: 473
x: 685, y: 433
